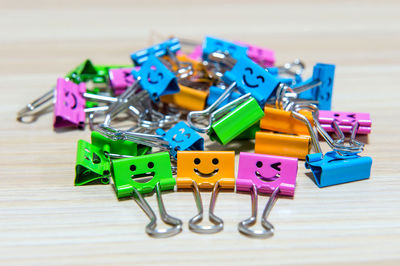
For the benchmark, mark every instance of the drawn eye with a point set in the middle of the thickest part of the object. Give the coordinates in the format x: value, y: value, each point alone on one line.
x: 259, y: 164
x: 133, y: 167
x: 249, y: 69
x: 160, y: 75
x: 150, y: 165
x: 215, y: 161
x: 197, y: 161
x: 276, y: 166
x: 261, y: 78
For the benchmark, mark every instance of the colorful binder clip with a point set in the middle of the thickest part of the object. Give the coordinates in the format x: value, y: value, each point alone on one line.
x: 211, y: 169
x: 216, y: 92
x: 289, y: 73
x: 282, y: 144
x: 91, y: 164
x: 182, y: 138
x: 266, y: 174
x: 144, y: 174
x: 187, y: 98
x: 345, y: 121
x: 211, y: 44
x: 249, y: 77
x: 156, y: 79
x: 262, y: 56
x: 341, y: 165
x: 169, y: 46
x: 319, y: 87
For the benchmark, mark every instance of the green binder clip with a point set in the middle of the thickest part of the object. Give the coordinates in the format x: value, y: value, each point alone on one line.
x: 249, y: 133
x: 231, y: 120
x: 91, y: 164
x: 118, y: 148
x: 140, y: 175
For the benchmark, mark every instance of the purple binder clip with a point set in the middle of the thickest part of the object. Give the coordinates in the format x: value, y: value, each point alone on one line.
x: 262, y: 56
x: 267, y: 174
x: 69, y: 104
x: 121, y: 79
x: 345, y: 120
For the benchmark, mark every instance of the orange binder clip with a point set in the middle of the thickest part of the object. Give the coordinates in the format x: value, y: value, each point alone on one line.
x: 282, y: 121
x: 206, y: 169
x: 187, y: 98
x: 282, y: 144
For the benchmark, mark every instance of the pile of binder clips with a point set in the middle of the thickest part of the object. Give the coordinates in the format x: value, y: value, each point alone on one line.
x: 226, y: 90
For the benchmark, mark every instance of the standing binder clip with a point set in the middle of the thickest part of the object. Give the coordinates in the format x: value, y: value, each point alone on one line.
x: 345, y: 121
x: 144, y: 174
x: 341, y: 165
x: 156, y: 79
x: 262, y: 56
x: 319, y: 87
x: 265, y: 174
x: 121, y: 79
x: 211, y: 44
x: 208, y: 169
x: 91, y: 164
x: 168, y: 47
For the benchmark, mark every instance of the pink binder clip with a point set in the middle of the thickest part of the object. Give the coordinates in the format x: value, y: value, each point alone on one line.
x: 196, y: 53
x: 262, y: 56
x: 69, y: 106
x: 345, y: 120
x: 121, y: 79
x: 267, y: 174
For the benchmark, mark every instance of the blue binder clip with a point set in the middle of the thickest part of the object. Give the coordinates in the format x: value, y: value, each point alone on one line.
x: 252, y: 78
x: 172, y: 45
x: 343, y: 164
x: 211, y: 44
x: 156, y: 79
x: 182, y: 138
x: 216, y: 92
x: 319, y: 87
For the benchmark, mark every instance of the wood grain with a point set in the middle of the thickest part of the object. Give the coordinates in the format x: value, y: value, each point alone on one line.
x: 46, y: 220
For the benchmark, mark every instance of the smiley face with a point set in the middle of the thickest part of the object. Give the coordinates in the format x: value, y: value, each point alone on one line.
x: 70, y: 100
x: 154, y: 76
x: 255, y: 81
x: 266, y: 172
x: 142, y: 173
x: 206, y: 168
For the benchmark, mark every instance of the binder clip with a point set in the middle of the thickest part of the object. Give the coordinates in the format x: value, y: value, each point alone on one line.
x: 319, y: 87
x: 211, y: 44
x: 216, y: 92
x: 265, y: 174
x: 144, y: 174
x: 345, y: 121
x: 341, y: 165
x: 121, y: 79
x: 182, y: 138
x: 262, y: 56
x: 91, y: 164
x: 169, y: 46
x: 196, y: 53
x: 187, y: 98
x: 208, y: 169
x: 251, y: 78
x: 156, y: 79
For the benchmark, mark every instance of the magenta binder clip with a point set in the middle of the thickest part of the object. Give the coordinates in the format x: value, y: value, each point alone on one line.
x: 121, y: 79
x: 196, y: 53
x: 345, y: 120
x: 69, y: 106
x: 262, y: 56
x: 266, y: 174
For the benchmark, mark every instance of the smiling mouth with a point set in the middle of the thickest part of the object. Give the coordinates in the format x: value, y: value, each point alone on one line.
x: 267, y: 179
x: 248, y: 84
x: 143, y: 178
x: 205, y: 174
x: 152, y: 81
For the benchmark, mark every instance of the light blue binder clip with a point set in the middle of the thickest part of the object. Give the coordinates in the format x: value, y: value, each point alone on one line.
x: 211, y: 44
x: 343, y: 164
x: 319, y: 87
x: 169, y: 46
x: 156, y: 79
x: 289, y: 73
x: 182, y: 138
x: 252, y: 78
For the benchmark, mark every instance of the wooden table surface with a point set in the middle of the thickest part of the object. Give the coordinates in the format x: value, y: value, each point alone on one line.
x: 46, y: 220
